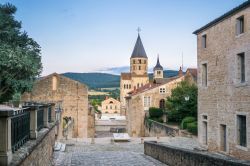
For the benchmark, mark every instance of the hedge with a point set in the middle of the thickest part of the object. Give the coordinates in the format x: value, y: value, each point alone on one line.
x: 192, y: 127
x: 155, y: 112
x: 187, y: 120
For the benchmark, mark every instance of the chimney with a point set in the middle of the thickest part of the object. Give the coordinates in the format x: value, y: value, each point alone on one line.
x: 106, y: 98
x: 180, y: 73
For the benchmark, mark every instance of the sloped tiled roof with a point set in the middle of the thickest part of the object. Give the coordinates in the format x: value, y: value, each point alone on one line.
x: 151, y: 85
x: 193, y: 72
x: 139, y: 51
x: 224, y: 16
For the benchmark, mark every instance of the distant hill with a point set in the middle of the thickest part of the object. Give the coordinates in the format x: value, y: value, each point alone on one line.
x: 104, y: 80
x: 96, y: 80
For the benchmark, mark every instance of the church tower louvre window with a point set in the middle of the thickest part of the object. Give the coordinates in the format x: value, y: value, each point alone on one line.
x: 158, y: 69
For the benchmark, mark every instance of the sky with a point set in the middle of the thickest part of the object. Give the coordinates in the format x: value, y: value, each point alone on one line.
x: 93, y: 35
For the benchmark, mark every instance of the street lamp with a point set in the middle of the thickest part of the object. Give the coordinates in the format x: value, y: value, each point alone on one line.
x: 186, y: 98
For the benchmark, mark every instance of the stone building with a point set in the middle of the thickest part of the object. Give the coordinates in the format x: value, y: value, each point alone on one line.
x: 138, y: 75
x: 71, y: 96
x: 110, y: 106
x: 224, y: 83
x: 152, y: 94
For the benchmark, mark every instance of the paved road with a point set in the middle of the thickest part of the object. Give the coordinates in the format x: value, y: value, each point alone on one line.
x: 104, y: 153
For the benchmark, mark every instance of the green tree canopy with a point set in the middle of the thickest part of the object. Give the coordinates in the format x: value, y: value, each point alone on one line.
x: 20, y: 60
x: 182, y: 102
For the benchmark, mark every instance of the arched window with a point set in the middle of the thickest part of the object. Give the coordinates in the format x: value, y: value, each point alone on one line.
x: 140, y: 61
x: 162, y: 104
x: 138, y: 85
x: 139, y: 67
x: 129, y: 86
x: 141, y: 84
x: 111, y: 102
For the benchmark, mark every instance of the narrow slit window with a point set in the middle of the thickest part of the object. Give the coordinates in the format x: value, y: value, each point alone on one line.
x: 204, y: 75
x: 242, y: 73
x: 204, y: 41
x: 240, y: 25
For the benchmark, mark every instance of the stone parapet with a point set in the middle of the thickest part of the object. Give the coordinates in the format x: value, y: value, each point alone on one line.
x: 38, y: 151
x: 178, y: 156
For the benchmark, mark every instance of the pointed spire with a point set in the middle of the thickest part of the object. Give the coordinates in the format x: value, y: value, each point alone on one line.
x: 139, y: 51
x: 158, y: 65
x: 180, y: 73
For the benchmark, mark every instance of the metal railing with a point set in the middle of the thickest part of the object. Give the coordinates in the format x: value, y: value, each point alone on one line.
x: 39, y: 119
x: 20, y: 129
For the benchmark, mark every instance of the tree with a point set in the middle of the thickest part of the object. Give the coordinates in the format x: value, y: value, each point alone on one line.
x: 182, y: 102
x: 20, y: 60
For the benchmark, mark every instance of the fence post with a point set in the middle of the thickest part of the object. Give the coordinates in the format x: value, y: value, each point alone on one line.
x: 33, y: 122
x: 5, y: 135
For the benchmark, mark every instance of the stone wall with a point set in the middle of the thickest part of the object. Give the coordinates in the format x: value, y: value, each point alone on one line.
x: 174, y: 156
x: 225, y: 96
x: 136, y: 111
x: 156, y: 129
x: 71, y: 95
x: 36, y: 152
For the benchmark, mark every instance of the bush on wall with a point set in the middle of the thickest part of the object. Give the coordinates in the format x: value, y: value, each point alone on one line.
x: 155, y: 112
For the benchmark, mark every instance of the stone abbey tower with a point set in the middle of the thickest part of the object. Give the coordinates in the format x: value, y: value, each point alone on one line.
x: 138, y: 75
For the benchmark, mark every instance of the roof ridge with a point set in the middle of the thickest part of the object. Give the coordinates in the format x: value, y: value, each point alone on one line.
x: 224, y: 16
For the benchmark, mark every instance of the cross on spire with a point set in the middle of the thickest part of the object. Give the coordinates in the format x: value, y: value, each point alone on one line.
x: 138, y: 30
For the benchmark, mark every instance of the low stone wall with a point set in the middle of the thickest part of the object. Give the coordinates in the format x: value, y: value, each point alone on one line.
x: 154, y: 129
x: 106, y: 125
x: 38, y: 151
x: 174, y: 156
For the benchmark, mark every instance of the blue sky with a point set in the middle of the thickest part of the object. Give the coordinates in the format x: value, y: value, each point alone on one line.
x: 90, y: 35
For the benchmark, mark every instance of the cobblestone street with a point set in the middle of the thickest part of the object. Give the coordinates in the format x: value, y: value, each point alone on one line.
x: 104, y: 153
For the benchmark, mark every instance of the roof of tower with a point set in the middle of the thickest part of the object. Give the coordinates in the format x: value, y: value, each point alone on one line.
x: 158, y: 65
x: 139, y: 51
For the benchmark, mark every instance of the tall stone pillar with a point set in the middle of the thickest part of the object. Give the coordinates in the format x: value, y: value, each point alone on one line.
x: 33, y: 122
x: 46, y: 116
x: 5, y: 136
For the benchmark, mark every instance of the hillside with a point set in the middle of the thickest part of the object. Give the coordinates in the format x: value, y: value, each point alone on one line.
x: 104, y: 80
x: 96, y: 80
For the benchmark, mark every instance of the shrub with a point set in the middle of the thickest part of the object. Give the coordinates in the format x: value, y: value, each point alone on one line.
x: 192, y: 127
x: 155, y: 112
x: 187, y: 120
x: 157, y: 119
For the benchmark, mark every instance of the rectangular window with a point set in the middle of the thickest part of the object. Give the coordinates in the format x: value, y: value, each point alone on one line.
x: 204, y: 75
x: 162, y: 90
x: 223, y: 137
x: 240, y: 25
x: 242, y: 130
x: 204, y: 41
x: 241, y: 60
x: 147, y: 101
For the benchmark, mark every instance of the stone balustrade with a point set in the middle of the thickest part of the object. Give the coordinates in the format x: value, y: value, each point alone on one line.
x: 18, y: 125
